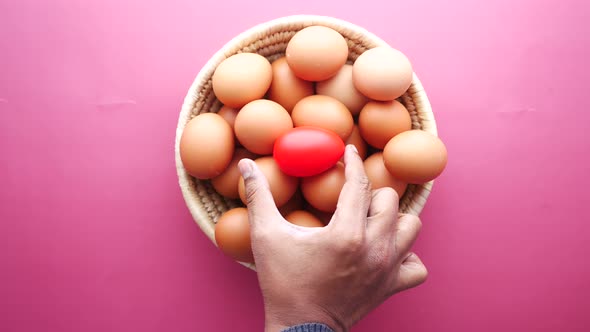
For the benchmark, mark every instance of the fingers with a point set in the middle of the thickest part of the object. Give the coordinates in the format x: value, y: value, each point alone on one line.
x: 408, y: 227
x: 355, y: 197
x: 262, y: 210
x: 382, y: 213
x: 412, y: 273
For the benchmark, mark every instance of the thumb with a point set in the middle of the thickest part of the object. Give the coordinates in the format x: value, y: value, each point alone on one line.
x: 412, y: 273
x: 261, y: 206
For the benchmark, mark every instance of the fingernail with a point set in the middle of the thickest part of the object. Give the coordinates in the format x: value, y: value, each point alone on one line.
x: 353, y: 148
x: 245, y: 168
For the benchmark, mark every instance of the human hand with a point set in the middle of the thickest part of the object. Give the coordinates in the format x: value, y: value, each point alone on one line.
x: 335, y: 274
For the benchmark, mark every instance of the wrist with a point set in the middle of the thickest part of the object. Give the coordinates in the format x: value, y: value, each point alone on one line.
x: 300, y: 327
x: 309, y: 327
x: 280, y: 320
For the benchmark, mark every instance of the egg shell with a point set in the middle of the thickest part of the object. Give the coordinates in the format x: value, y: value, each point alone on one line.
x: 324, y: 112
x: 232, y: 235
x: 341, y: 88
x: 286, y: 88
x: 307, y: 151
x: 259, y: 123
x: 206, y: 146
x: 382, y: 73
x: 226, y: 183
x: 282, y: 186
x: 228, y: 114
x: 380, y: 121
x: 415, y: 156
x: 241, y: 78
x: 304, y: 219
x: 316, y: 53
x: 380, y: 177
x: 322, y: 190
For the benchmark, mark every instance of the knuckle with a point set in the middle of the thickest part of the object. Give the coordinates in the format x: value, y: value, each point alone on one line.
x: 387, y: 193
x: 251, y: 192
x: 412, y: 221
x: 386, y: 198
x: 253, y: 189
x: 421, y: 274
x: 392, y: 195
x: 355, y: 242
x: 417, y: 223
x: 364, y: 183
x: 350, y: 246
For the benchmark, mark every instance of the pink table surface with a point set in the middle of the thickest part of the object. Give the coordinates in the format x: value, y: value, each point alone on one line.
x: 94, y: 233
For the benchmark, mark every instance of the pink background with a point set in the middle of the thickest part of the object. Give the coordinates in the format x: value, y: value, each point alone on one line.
x: 95, y: 236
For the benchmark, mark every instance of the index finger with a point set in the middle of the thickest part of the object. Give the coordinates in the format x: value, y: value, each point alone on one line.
x: 355, y: 197
x: 262, y: 211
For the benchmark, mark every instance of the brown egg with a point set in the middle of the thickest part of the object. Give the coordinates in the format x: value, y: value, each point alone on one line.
x: 322, y: 190
x: 286, y: 88
x: 380, y: 121
x: 304, y: 219
x: 382, y: 73
x: 324, y: 217
x: 295, y: 203
x: 259, y: 123
x: 340, y: 87
x: 228, y: 114
x: 206, y: 146
x: 415, y: 156
x: 232, y: 235
x: 282, y: 186
x: 316, y: 53
x: 325, y: 112
x: 241, y: 78
x: 226, y: 183
x: 380, y: 177
x: 356, y: 140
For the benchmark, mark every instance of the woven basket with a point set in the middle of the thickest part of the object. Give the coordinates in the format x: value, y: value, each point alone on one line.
x: 270, y: 40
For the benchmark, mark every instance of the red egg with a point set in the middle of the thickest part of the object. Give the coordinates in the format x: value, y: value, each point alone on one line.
x: 307, y: 151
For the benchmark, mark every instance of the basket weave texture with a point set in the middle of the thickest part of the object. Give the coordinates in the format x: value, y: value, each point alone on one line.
x: 270, y: 40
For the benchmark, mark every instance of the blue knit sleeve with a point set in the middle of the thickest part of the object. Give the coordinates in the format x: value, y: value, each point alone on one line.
x: 309, y: 327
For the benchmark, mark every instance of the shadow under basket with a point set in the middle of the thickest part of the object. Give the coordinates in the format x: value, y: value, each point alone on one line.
x: 270, y: 40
